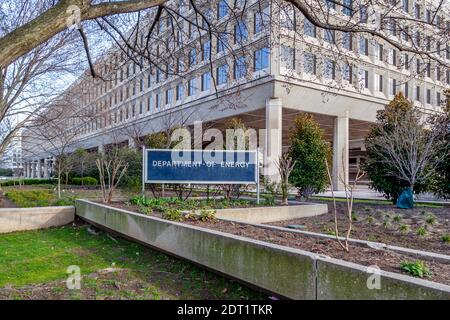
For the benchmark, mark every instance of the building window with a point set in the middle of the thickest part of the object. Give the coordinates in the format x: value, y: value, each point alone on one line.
x: 169, y: 96
x: 364, y: 46
x: 380, y: 51
x: 240, y: 32
x: 329, y: 69
x: 329, y: 36
x: 347, y: 73
x: 222, y: 9
x: 179, y: 92
x: 418, y: 93
x: 141, y: 107
x: 149, y: 104
x: 222, y: 74
x: 192, y: 57
x: 206, y: 81
x: 364, y: 78
x: 438, y: 99
x: 347, y: 41
x: 309, y: 61
x: 206, y: 51
x: 428, y: 96
x: 158, y: 101
x: 309, y: 29
x: 417, y: 11
x: 261, y: 59
x: 363, y: 16
x: 406, y: 61
x: 240, y: 67
x: 191, y: 87
x: 222, y: 42
x: 428, y: 70
x: 379, y: 82
x: 393, y: 57
x: 330, y: 4
x: 393, y: 86
x: 261, y: 19
x: 287, y: 57
x: 406, y: 90
x: 347, y: 7
x: 405, y: 5
x: 287, y: 17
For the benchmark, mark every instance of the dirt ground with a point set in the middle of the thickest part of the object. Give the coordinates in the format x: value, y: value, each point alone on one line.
x: 381, y: 223
x: 386, y: 224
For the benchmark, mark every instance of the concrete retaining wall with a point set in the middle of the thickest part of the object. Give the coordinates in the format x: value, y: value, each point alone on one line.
x: 21, y: 219
x: 271, y: 214
x: 282, y: 270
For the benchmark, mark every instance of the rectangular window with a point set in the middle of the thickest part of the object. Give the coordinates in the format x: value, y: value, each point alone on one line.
x: 191, y: 87
x: 405, y: 5
x: 222, y: 74
x: 364, y: 46
x: 141, y: 107
x: 206, y: 51
x: 380, y: 52
x: 329, y: 36
x: 347, y: 40
x: 206, y: 81
x: 418, y: 93
x: 149, y: 104
x: 179, y: 91
x: 287, y: 57
x: 347, y: 72
x: 261, y: 59
x: 240, y: 32
x: 309, y: 29
x: 309, y: 63
x: 149, y: 80
x: 393, y: 86
x: 428, y: 70
x: 347, y: 7
x: 417, y: 11
x: 169, y: 96
x: 222, y: 9
x: 428, y: 96
x: 240, y: 67
x: 287, y: 17
x: 261, y: 20
x: 222, y: 42
x: 406, y: 90
x: 329, y: 69
x: 406, y: 61
x: 363, y: 16
x: 192, y: 57
x: 379, y: 82
x: 364, y: 78
x: 438, y: 99
x: 159, y: 103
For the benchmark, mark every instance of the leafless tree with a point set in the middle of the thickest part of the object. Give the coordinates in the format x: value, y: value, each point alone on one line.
x: 349, y: 189
x: 111, y: 168
x: 285, y: 166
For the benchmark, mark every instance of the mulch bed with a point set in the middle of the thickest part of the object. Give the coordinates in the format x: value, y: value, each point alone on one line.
x: 370, y: 224
x: 385, y: 259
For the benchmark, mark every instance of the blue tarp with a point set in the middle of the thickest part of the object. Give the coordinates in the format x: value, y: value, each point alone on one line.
x: 406, y: 199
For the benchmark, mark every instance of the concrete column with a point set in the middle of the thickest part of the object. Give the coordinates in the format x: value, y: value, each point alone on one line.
x: 340, y: 151
x: 272, y: 142
x: 46, y: 168
x: 26, y: 169
x: 33, y: 171
x: 38, y: 169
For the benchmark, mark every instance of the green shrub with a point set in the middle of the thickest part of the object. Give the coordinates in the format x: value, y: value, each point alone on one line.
x: 85, y: 181
x: 403, y: 228
x: 422, y: 231
x: 397, y: 218
x: 431, y: 219
x: 172, y: 214
x: 416, y: 269
x: 446, y: 238
x: 65, y: 201
x: 27, y: 182
x: 207, y: 215
x: 33, y: 198
x: 310, y: 151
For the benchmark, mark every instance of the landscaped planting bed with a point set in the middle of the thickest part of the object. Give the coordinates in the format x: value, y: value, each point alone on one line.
x: 423, y: 228
x: 388, y: 260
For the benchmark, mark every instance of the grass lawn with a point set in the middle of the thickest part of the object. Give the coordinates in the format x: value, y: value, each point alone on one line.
x: 33, y: 266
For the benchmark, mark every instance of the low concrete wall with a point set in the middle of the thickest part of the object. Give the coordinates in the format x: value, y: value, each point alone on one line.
x: 272, y: 214
x: 21, y: 219
x: 285, y: 271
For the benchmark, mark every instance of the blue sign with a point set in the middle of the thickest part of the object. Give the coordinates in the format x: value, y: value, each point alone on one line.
x: 200, y: 166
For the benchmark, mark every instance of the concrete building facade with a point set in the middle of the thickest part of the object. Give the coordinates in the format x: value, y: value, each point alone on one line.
x: 341, y: 79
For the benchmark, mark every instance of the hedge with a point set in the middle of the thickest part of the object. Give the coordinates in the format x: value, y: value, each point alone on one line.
x: 85, y: 181
x: 8, y: 183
